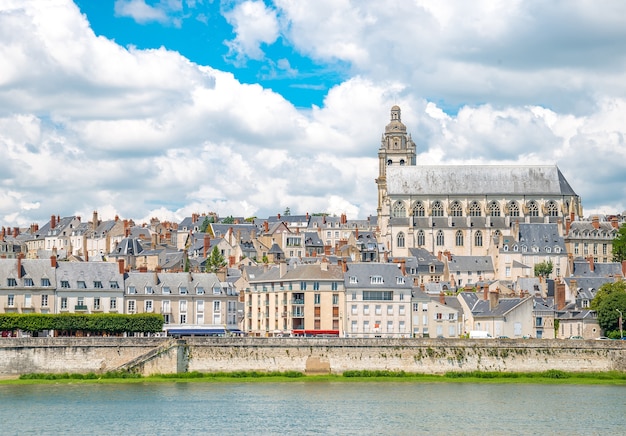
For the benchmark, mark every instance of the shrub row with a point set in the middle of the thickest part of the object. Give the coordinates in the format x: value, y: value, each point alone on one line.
x: 110, y: 323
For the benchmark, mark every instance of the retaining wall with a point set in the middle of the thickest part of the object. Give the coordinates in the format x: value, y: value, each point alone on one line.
x: 309, y: 355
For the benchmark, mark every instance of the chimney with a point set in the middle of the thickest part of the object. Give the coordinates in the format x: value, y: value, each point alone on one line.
x: 266, y: 226
x: 307, y: 216
x: 485, y: 292
x: 402, y: 265
x: 19, y: 265
x: 278, y: 216
x: 448, y: 255
x: 595, y: 222
x: 53, y: 261
x: 117, y: 218
x: 16, y: 231
x: 442, y: 298
x: 282, y: 269
x: 494, y: 297
x: 591, y: 265
x: 559, y: 293
x: 95, y: 219
x: 231, y: 261
x: 120, y: 265
x: 568, y: 225
x: 572, y: 216
x: 153, y: 240
x: 127, y: 232
x: 615, y: 222
x: 206, y: 244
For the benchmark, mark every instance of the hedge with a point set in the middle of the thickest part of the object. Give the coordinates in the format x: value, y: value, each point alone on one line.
x: 94, y: 323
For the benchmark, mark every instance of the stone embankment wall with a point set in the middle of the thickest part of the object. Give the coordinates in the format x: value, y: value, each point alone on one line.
x: 309, y: 355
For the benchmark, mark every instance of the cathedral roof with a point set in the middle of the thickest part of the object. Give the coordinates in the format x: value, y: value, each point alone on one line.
x: 477, y: 180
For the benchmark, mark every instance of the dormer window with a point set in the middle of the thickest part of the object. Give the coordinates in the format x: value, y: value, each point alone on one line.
x: 376, y: 280
x: 353, y: 279
x: 149, y: 290
x: 182, y: 290
x: 28, y: 282
x: 81, y: 284
x: 132, y: 290
x: 200, y: 290
x: 97, y: 284
x: 166, y: 290
x: 65, y: 283
x: 399, y: 280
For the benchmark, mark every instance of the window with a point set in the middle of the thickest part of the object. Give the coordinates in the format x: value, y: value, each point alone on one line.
x: 494, y: 209
x: 132, y: 290
x: 28, y: 282
x: 377, y: 295
x: 398, y: 210
x: 131, y: 306
x: 166, y: 290
x: 552, y: 208
x: 200, y: 290
x: 182, y: 290
x: 576, y: 248
x: 114, y: 285
x: 354, y: 296
x: 44, y: 301
x: 182, y: 306
x: 81, y: 284
x: 401, y: 296
x: 513, y: 208
x: 456, y: 209
x: 401, y: 327
x: 113, y: 303
x: 354, y: 309
x: 148, y: 306
x: 437, y: 209
x: 478, y: 238
x: 316, y: 298
x: 45, y: 282
x: 316, y: 286
x: 366, y: 326
x: 507, y: 271
x: 97, y: 284
x: 335, y: 299
x: 96, y: 303
x: 63, y: 303
x: 333, y: 286
x: 399, y: 280
x: 65, y: 283
x: 459, y: 238
x: 217, y: 290
x: 11, y: 300
x: 418, y: 209
x: 389, y: 309
x: 11, y: 282
x: 149, y: 290
x: 376, y: 280
x: 353, y: 327
x: 533, y: 209
x: 421, y: 238
x: 353, y: 279
x: 474, y: 209
x: 366, y: 309
x: 200, y: 306
x: 378, y: 310
x: 389, y: 326
x: 183, y: 318
x: 303, y: 286
x: 440, y: 238
x: 400, y: 240
x: 402, y: 309
x: 216, y: 306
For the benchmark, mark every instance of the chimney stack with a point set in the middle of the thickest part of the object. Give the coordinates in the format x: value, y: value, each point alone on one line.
x: 485, y: 292
x: 559, y: 293
x: 568, y: 225
x: 591, y: 265
x: 615, y: 222
x: 595, y: 222
x: 442, y: 298
x: 53, y: 261
x: 120, y: 265
x: 206, y: 244
x: 94, y: 222
x: 494, y: 297
x: 19, y: 265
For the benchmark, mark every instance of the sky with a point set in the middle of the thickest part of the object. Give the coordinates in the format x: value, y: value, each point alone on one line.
x: 165, y: 108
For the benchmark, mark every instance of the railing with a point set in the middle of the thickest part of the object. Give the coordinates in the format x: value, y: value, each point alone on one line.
x: 297, y: 301
x: 82, y: 307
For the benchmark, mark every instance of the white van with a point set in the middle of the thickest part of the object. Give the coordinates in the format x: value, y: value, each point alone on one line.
x: 479, y: 334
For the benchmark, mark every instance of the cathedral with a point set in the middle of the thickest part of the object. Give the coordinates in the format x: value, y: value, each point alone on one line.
x: 467, y: 210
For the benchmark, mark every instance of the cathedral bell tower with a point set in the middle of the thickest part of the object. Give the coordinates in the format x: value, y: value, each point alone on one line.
x: 396, y: 148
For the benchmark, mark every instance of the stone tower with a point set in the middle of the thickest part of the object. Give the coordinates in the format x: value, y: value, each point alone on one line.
x: 396, y: 148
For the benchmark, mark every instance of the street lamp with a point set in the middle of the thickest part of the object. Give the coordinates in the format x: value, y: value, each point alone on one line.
x: 621, y: 317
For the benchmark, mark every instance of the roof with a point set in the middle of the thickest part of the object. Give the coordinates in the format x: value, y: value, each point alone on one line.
x: 460, y: 264
x: 477, y: 180
x: 363, y: 272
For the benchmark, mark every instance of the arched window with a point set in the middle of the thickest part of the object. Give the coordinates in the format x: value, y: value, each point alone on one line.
x: 437, y: 208
x: 474, y: 209
x: 398, y: 210
x: 478, y: 238
x: 418, y: 209
x: 553, y: 209
x: 456, y: 209
x: 533, y: 209
x: 513, y: 208
x: 459, y: 238
x: 401, y: 162
x: 440, y: 240
x: 421, y: 238
x: 400, y: 242
x: 389, y: 162
x: 494, y: 209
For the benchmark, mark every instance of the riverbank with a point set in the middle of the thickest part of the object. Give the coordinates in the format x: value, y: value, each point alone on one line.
x: 546, y: 377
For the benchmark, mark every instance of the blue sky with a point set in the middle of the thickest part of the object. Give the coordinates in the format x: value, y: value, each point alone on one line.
x: 246, y: 107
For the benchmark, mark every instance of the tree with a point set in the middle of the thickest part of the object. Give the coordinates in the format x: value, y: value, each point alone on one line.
x: 215, y: 261
x: 619, y: 245
x: 287, y: 212
x: 228, y: 220
x: 543, y: 269
x: 608, y: 315
x: 205, y: 224
x: 605, y: 291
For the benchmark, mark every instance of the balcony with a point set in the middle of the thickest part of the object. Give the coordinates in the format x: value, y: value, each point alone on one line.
x: 297, y: 301
x: 80, y: 308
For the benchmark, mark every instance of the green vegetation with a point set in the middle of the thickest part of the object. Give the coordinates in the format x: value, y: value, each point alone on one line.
x: 109, y: 323
x: 545, y: 377
x: 215, y: 261
x: 619, y: 245
x: 229, y: 220
x: 609, y: 300
x: 543, y: 269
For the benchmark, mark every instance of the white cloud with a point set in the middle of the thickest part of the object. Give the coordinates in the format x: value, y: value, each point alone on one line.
x: 143, y: 13
x: 254, y: 24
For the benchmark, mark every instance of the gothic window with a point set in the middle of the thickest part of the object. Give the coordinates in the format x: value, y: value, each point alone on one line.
x: 513, y: 208
x: 553, y: 209
x: 456, y: 209
x: 421, y: 238
x: 478, y: 238
x: 418, y: 209
x: 494, y: 209
x: 474, y: 209
x: 533, y: 209
x: 400, y: 242
x: 398, y: 210
x: 440, y: 240
x: 459, y: 238
x: 401, y: 162
x: 437, y: 208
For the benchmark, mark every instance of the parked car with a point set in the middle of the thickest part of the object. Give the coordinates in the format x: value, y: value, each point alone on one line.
x: 602, y: 338
x: 576, y: 337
